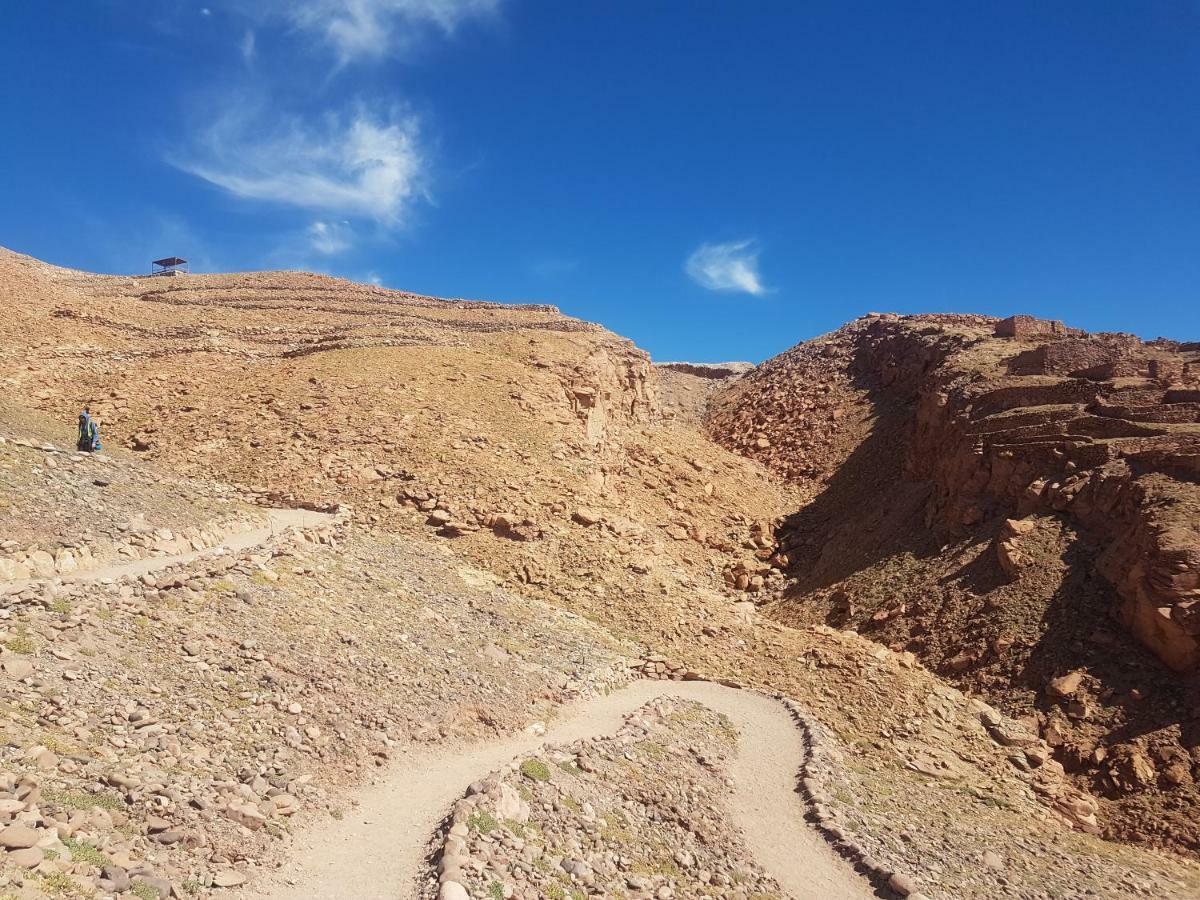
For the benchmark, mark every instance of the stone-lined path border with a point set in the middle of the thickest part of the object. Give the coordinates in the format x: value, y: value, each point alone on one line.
x: 812, y: 781
x: 315, y: 525
x: 821, y: 761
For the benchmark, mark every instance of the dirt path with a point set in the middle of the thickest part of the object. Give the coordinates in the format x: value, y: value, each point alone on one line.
x: 376, y: 851
x: 280, y: 520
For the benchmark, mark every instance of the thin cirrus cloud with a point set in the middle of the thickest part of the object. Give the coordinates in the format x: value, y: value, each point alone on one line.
x: 248, y: 46
x: 355, y: 166
x: 730, y: 267
x: 359, y: 30
x: 329, y: 238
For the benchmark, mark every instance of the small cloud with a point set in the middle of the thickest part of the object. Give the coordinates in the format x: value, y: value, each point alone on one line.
x: 356, y: 166
x: 726, y: 267
x: 330, y: 238
x: 365, y: 29
x: 373, y: 278
x: 248, y: 46
x: 205, y: 11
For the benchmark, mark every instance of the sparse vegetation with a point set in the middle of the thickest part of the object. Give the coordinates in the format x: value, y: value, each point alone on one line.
x: 483, y: 822
x: 21, y: 642
x: 83, y: 800
x: 535, y: 770
x: 82, y: 851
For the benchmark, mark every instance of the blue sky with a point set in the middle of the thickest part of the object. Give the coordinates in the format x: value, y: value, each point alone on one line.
x: 715, y: 180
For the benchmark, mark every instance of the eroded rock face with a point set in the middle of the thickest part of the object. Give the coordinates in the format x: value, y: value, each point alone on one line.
x: 1004, y: 506
x: 994, y: 434
x: 1108, y: 453
x: 1029, y: 327
x: 611, y: 388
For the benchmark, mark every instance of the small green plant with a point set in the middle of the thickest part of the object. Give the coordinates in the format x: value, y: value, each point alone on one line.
x: 59, y: 884
x: 483, y: 822
x: 554, y: 892
x: 83, y: 800
x: 21, y: 642
x: 570, y: 767
x: 56, y: 745
x: 60, y: 605
x: 145, y: 891
x: 535, y: 770
x: 192, y: 886
x: 517, y: 829
x: 496, y: 891
x: 82, y: 851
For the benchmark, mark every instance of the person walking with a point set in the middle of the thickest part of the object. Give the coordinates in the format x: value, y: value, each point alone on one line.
x: 89, y: 433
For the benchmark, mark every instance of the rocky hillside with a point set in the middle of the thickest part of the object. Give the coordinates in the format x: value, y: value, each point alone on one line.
x: 523, y: 518
x: 530, y: 437
x: 1017, y: 503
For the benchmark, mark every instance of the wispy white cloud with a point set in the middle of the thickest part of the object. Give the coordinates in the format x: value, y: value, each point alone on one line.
x: 726, y: 267
x: 330, y: 238
x: 360, y: 30
x: 248, y: 46
x: 354, y: 166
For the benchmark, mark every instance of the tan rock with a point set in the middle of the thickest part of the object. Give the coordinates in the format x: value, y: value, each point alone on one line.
x: 586, y: 516
x: 1065, y: 685
x: 27, y: 858
x: 18, y: 837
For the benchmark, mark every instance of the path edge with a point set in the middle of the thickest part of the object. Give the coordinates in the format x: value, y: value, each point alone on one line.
x: 447, y: 855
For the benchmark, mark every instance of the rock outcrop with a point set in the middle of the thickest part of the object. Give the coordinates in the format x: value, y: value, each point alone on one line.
x: 1071, y: 458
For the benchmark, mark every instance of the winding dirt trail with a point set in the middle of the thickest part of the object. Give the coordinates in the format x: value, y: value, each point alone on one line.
x: 278, y: 520
x: 377, y: 851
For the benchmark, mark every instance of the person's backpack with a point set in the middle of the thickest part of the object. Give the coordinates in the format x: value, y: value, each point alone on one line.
x: 89, y: 434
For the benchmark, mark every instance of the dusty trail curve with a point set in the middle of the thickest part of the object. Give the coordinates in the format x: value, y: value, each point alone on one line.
x: 377, y: 851
x: 279, y: 520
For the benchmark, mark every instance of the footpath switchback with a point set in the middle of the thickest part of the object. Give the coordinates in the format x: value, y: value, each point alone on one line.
x: 379, y: 851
